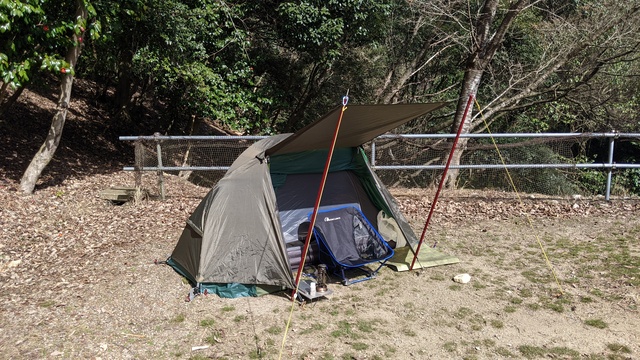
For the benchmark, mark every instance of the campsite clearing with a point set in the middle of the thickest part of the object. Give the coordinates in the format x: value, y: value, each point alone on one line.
x: 78, y: 280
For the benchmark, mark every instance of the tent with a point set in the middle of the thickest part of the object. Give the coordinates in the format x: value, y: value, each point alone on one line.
x: 236, y: 241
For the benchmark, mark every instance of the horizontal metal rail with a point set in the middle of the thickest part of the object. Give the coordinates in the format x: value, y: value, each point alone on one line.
x: 509, y: 166
x: 610, y: 165
x: 416, y: 167
x: 513, y: 135
x: 177, y: 168
x: 203, y: 137
x: 394, y: 136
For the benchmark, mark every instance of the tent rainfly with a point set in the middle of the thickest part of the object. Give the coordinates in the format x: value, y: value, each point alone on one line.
x: 240, y: 239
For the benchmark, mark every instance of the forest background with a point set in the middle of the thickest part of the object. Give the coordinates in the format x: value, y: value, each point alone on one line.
x: 267, y: 67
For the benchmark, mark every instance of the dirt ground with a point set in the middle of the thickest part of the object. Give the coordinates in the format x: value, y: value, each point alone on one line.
x: 78, y: 280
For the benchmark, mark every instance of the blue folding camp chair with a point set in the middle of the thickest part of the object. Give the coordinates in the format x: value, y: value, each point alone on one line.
x: 347, y: 240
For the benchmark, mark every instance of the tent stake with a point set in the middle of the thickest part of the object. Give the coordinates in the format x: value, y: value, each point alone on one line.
x: 314, y: 214
x: 444, y: 175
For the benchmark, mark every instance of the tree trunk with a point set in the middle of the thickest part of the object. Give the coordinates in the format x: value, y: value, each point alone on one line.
x: 48, y: 149
x: 471, y: 83
x: 124, y: 88
x: 196, y: 121
x: 4, y: 88
x: 484, y: 45
x: 6, y: 104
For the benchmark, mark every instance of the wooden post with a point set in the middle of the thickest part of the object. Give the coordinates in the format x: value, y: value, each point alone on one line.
x: 139, y: 163
x: 160, y: 172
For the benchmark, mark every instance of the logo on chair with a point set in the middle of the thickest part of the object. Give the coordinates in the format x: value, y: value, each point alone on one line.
x: 327, y: 219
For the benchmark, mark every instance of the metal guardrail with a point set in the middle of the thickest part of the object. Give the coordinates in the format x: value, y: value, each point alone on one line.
x: 610, y: 164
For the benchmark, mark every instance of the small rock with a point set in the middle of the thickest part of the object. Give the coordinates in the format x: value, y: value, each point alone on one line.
x: 462, y: 278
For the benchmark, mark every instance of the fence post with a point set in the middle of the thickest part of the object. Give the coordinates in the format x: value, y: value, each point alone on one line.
x: 607, y: 195
x: 139, y: 164
x: 160, y: 172
x: 373, y: 154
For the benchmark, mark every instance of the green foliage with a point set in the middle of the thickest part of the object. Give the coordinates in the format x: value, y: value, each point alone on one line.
x: 258, y: 67
x: 541, y: 180
x: 632, y: 180
x: 320, y: 52
x: 35, y: 35
x: 594, y: 181
x: 194, y: 54
x: 322, y: 27
x: 273, y: 66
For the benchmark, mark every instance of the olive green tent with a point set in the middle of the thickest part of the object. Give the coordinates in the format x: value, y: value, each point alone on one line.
x: 236, y: 240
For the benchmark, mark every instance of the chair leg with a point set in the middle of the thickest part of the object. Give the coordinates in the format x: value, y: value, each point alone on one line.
x: 369, y: 275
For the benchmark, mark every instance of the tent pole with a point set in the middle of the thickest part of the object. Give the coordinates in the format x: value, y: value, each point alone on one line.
x: 314, y: 214
x: 444, y: 175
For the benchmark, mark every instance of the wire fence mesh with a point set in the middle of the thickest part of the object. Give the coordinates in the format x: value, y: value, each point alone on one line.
x: 538, y: 153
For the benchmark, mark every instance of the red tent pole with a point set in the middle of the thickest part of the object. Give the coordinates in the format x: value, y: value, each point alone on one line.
x: 444, y: 175
x: 314, y: 214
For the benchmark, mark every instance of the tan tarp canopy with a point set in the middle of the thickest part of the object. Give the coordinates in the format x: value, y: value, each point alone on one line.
x: 360, y: 123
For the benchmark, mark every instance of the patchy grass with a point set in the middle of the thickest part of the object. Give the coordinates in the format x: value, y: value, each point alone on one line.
x: 389, y: 350
x: 274, y: 330
x: 498, y: 324
x: 586, y: 299
x: 515, y: 301
x: 619, y: 348
x: 537, y: 277
x: 207, y: 322
x: 178, y: 318
x: 47, y: 303
x: 345, y: 329
x: 596, y: 323
x: 450, y: 346
x: 504, y: 352
x: 534, y: 352
x: 215, y: 337
x: 240, y: 318
x: 409, y: 332
x: 314, y: 328
x: 366, y: 325
x: 359, y: 346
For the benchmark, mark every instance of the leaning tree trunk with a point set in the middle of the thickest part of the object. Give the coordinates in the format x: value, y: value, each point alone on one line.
x: 471, y: 83
x: 6, y: 104
x: 485, y: 43
x: 48, y: 149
